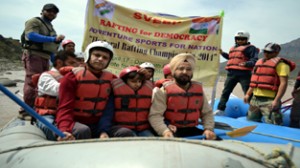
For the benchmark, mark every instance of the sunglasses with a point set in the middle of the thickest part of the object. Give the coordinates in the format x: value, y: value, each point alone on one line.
x: 240, y: 38
x: 268, y: 52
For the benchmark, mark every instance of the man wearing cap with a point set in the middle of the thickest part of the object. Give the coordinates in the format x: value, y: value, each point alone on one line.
x: 241, y: 60
x: 268, y: 84
x: 41, y: 42
x: 86, y: 104
x: 178, y: 104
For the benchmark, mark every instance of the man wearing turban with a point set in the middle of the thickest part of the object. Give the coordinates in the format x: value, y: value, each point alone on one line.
x: 178, y: 104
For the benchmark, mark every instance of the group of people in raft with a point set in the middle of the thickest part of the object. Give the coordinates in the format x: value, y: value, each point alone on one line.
x: 84, y: 100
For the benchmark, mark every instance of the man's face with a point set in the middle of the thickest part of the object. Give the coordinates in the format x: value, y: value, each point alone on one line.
x: 49, y: 14
x: 70, y: 47
x: 268, y: 54
x: 183, y: 73
x: 241, y: 40
x: 70, y: 61
x: 99, y: 60
x: 150, y: 73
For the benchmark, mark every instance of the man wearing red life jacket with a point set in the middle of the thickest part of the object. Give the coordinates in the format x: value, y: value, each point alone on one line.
x: 241, y: 60
x: 295, y: 111
x: 86, y: 104
x: 178, y: 104
x: 167, y: 76
x: 47, y: 87
x: 132, y: 95
x: 268, y: 84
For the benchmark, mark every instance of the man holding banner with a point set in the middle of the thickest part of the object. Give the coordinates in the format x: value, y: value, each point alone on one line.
x: 241, y: 60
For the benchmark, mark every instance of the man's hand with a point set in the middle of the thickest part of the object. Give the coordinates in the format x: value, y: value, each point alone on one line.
x: 168, y: 134
x: 210, y: 135
x: 68, y: 137
x: 59, y: 38
x: 103, y: 135
x: 173, y: 128
x: 246, y: 98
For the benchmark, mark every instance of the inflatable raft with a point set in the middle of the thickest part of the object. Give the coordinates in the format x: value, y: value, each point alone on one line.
x: 235, y: 117
x: 24, y: 145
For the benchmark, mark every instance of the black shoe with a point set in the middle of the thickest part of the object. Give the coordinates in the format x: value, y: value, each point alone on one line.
x: 23, y: 115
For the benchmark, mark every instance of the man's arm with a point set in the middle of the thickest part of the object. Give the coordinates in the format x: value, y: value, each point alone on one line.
x: 157, y: 110
x: 283, y: 71
x: 207, y: 116
x: 48, y: 85
x: 105, y: 121
x: 67, y: 96
x: 224, y: 54
x: 252, y: 53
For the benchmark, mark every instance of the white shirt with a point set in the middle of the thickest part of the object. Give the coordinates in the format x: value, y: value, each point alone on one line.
x: 47, y: 84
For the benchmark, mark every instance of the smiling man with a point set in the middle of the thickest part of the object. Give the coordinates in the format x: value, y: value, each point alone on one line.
x: 86, y: 104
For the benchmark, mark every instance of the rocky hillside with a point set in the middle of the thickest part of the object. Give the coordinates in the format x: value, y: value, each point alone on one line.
x: 10, y: 54
x: 290, y: 50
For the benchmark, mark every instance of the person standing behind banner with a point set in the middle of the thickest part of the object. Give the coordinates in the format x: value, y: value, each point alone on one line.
x: 268, y: 84
x: 39, y: 44
x: 132, y: 104
x: 48, y: 85
x: 178, y: 104
x: 295, y: 111
x: 151, y: 70
x: 241, y: 60
x: 68, y: 46
x: 167, y: 76
x: 86, y: 102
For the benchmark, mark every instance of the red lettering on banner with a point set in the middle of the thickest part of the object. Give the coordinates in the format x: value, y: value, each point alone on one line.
x: 154, y: 20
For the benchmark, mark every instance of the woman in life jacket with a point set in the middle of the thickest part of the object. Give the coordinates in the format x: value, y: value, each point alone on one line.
x: 132, y: 95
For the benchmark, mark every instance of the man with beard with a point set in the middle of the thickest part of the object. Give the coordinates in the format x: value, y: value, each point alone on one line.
x: 178, y: 104
x: 40, y: 42
x: 86, y: 104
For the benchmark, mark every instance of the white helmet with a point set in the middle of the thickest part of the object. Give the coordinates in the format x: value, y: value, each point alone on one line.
x: 147, y: 65
x: 80, y: 55
x: 242, y: 33
x: 96, y: 44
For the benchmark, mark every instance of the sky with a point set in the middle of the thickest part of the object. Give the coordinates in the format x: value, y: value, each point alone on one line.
x: 266, y: 21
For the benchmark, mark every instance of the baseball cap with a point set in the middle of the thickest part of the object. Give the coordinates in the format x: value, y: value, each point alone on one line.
x: 272, y: 47
x: 51, y: 6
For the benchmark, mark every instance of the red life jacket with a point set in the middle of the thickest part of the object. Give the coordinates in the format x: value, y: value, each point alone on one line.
x: 183, y: 107
x: 46, y: 104
x: 237, y: 56
x: 264, y: 75
x: 92, y: 94
x: 160, y: 82
x: 132, y: 108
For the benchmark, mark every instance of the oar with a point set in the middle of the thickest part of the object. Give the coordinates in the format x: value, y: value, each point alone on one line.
x: 235, y: 133
x: 31, y: 111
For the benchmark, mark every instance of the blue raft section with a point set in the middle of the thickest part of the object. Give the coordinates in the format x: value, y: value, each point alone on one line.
x: 267, y: 133
x: 235, y: 117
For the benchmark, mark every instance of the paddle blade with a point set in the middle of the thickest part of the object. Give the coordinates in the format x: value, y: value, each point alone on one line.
x: 241, y: 131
